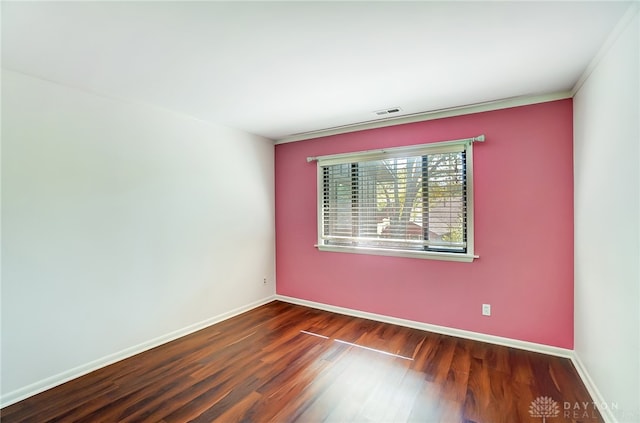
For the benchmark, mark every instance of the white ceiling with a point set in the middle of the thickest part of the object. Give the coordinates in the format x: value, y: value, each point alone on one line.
x: 281, y: 68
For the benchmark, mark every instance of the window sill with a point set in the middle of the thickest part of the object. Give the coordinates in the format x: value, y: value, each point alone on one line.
x: 430, y: 255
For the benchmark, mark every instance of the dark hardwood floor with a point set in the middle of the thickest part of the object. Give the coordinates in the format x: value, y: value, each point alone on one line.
x: 284, y: 363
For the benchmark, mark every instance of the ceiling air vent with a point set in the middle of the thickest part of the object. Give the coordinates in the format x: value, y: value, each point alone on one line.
x: 387, y: 111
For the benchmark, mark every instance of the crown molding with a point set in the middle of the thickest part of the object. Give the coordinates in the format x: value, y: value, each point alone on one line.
x: 604, y: 49
x: 430, y: 115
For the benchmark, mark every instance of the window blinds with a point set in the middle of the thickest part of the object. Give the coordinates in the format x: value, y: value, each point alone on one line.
x: 414, y: 199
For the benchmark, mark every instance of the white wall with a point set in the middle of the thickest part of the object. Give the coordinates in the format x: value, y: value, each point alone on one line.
x: 121, y: 224
x: 607, y: 229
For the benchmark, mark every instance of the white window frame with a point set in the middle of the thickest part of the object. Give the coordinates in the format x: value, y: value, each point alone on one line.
x: 397, y: 152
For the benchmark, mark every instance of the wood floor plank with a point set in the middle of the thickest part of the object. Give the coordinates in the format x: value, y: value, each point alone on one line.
x: 288, y: 363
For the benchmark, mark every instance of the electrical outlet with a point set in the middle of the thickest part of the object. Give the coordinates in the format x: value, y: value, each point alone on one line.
x: 264, y: 281
x: 486, y: 309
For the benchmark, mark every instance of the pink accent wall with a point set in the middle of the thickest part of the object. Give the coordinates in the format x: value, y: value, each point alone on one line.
x: 523, y: 187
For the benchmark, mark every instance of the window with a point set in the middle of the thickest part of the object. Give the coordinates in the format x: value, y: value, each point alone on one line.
x: 408, y: 201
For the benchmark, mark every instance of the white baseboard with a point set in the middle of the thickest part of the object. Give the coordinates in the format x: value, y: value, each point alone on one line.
x: 475, y: 336
x: 53, y: 381
x: 596, y: 396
